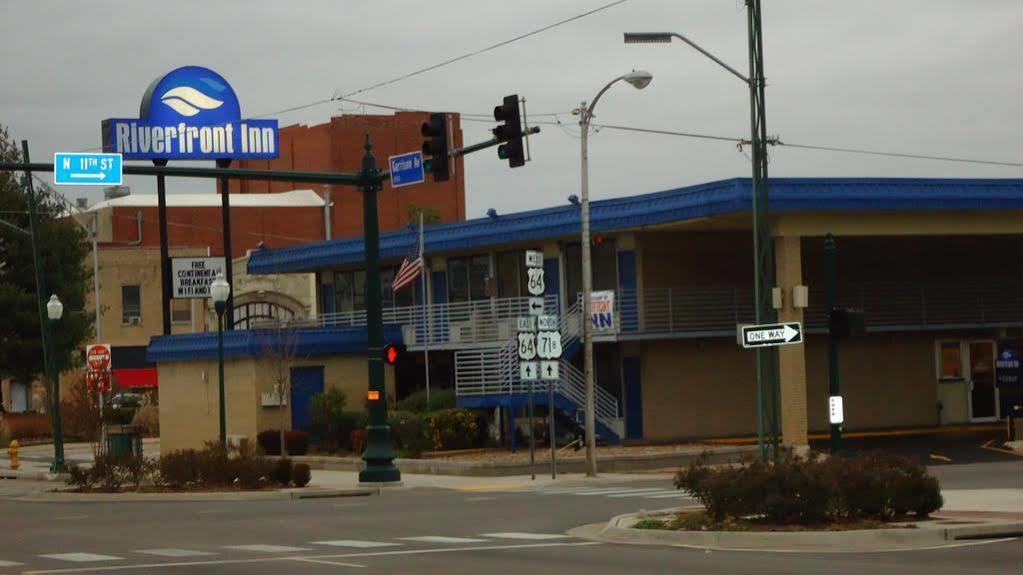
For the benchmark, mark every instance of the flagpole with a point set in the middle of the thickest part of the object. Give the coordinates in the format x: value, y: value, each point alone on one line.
x: 426, y: 311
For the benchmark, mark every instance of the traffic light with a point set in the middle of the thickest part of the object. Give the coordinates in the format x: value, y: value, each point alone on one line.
x: 510, y: 132
x: 437, y: 146
x: 393, y: 352
x: 845, y: 322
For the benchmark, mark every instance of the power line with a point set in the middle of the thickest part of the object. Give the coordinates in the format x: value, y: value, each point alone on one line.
x: 900, y: 155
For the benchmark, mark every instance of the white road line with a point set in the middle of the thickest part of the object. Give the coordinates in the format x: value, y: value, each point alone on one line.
x: 266, y: 548
x: 601, y: 491
x: 526, y: 536
x: 178, y: 564
x: 439, y: 539
x: 81, y: 557
x: 640, y: 493
x: 355, y: 543
x: 325, y: 562
x: 9, y: 563
x: 676, y: 495
x: 171, y: 552
x: 624, y: 492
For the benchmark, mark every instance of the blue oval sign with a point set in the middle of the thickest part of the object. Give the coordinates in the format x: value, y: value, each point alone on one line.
x: 191, y: 113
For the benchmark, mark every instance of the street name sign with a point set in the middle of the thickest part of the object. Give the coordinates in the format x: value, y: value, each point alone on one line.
x: 407, y: 169
x: 536, y: 284
x: 534, y: 259
x: 527, y: 323
x: 87, y: 169
x: 772, y: 334
x: 536, y: 306
x: 527, y: 370
x: 549, y: 370
x: 548, y: 344
x: 547, y: 322
x: 527, y: 346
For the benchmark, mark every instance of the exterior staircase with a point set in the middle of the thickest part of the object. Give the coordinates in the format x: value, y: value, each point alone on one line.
x: 489, y: 377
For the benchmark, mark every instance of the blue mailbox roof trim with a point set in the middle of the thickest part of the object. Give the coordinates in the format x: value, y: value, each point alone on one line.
x: 704, y: 200
x: 255, y: 342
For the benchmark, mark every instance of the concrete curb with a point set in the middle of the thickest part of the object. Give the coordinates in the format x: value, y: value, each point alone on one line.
x: 277, y: 495
x: 922, y: 535
x: 612, y: 464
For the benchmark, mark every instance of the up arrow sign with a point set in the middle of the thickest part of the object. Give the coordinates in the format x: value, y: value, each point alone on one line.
x: 772, y: 334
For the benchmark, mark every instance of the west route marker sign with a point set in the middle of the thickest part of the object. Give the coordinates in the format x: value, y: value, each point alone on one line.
x: 772, y: 334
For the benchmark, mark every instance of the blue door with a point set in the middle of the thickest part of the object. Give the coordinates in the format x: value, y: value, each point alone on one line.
x: 633, y: 398
x: 305, y: 383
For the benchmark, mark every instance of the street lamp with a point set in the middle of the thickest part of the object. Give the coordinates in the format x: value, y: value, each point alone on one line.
x: 639, y: 79
x: 763, y: 249
x: 220, y: 291
x: 54, y: 311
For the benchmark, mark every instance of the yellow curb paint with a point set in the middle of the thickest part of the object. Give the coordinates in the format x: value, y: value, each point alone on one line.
x: 1001, y: 450
x: 497, y: 487
x: 940, y: 457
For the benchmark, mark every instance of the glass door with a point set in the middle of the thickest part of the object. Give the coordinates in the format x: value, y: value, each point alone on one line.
x: 983, y: 393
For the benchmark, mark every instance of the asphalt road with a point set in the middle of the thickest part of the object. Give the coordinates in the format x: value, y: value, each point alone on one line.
x: 473, y: 531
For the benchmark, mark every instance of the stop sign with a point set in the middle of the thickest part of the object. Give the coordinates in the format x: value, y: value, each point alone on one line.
x: 97, y: 357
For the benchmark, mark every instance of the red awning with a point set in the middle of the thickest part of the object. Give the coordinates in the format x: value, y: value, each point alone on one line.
x: 135, y: 378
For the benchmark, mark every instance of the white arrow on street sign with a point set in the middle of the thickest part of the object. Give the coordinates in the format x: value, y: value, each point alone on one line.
x: 535, y: 285
x: 527, y: 345
x: 527, y: 370
x: 534, y: 259
x: 526, y: 323
x: 772, y: 334
x: 547, y: 322
x: 548, y: 344
x: 550, y: 370
x: 536, y: 306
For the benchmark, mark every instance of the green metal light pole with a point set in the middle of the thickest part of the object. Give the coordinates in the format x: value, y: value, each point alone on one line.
x: 763, y: 245
x: 54, y: 311
x: 220, y: 291
x: 379, y: 455
x: 831, y: 268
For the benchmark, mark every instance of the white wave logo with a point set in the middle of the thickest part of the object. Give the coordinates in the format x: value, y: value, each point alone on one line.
x: 188, y: 101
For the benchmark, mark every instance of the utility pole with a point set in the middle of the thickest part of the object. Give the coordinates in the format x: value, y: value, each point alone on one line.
x: 831, y: 268
x: 763, y: 246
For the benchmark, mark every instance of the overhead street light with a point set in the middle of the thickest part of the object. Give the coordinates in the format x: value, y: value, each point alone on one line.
x: 639, y: 79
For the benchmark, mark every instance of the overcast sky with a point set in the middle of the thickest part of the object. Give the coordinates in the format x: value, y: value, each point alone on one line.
x: 938, y: 77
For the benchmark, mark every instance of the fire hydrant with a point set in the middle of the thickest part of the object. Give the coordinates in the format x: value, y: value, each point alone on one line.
x: 12, y: 451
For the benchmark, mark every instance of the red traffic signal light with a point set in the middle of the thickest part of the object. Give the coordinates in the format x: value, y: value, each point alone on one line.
x: 393, y: 352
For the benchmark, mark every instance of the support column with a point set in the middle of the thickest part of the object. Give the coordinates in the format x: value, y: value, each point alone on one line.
x: 791, y: 358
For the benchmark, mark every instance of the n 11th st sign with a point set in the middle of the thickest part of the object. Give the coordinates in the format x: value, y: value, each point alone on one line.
x: 87, y: 169
x: 772, y: 334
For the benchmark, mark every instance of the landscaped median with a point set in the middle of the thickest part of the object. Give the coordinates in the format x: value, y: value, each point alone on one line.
x: 862, y: 502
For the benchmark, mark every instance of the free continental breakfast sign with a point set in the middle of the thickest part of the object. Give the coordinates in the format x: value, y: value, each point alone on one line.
x: 191, y: 277
x: 191, y: 113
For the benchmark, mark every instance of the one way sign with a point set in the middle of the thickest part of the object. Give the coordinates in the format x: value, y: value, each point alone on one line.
x: 772, y: 334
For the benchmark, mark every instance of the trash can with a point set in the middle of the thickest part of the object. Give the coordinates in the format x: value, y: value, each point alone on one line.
x: 124, y: 440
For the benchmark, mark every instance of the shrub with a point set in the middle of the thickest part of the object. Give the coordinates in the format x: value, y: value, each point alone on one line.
x: 349, y: 422
x: 5, y: 434
x: 282, y: 471
x: 357, y: 440
x: 454, y: 429
x: 180, y: 468
x: 295, y: 441
x: 875, y: 486
x: 326, y: 407
x: 409, y: 433
x: 416, y: 402
x: 80, y: 417
x: 301, y: 474
x: 147, y: 420
x: 28, y: 425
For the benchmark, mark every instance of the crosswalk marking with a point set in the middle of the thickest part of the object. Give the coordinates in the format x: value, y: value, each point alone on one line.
x: 675, y: 495
x: 355, y: 543
x: 171, y: 552
x: 647, y: 493
x: 604, y: 491
x: 438, y: 539
x: 526, y: 536
x: 267, y: 548
x: 81, y: 557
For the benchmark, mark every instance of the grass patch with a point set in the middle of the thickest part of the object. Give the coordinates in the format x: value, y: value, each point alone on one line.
x: 701, y: 521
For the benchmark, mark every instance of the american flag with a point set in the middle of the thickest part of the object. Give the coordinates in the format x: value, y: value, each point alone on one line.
x: 410, y: 268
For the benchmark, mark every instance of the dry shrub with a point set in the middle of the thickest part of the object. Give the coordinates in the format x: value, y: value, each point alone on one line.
x: 80, y: 416
x: 28, y: 425
x: 147, y: 420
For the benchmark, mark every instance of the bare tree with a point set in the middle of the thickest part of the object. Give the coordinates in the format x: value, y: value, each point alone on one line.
x: 279, y: 346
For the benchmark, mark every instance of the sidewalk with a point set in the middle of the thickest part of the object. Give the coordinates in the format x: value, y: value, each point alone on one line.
x: 350, y: 479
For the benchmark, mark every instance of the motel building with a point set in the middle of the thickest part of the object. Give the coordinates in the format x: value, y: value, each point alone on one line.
x: 933, y: 264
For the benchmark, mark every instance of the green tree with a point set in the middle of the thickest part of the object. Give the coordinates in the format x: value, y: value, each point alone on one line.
x: 64, y: 251
x: 430, y: 215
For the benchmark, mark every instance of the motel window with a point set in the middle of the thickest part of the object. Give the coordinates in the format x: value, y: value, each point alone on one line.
x: 605, y: 267
x: 467, y: 278
x: 131, y: 304
x: 181, y: 311
x: 951, y: 360
x: 350, y: 291
x: 404, y: 297
x: 511, y: 273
